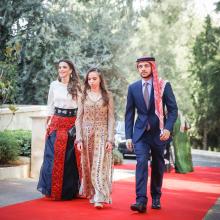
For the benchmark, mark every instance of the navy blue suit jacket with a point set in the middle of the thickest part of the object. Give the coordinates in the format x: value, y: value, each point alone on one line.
x: 135, y: 101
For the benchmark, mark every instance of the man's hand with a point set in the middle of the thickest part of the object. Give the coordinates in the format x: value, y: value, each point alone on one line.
x: 165, y: 136
x: 79, y: 146
x: 129, y: 144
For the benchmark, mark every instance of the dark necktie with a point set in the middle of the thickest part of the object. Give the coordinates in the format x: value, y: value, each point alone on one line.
x: 146, y: 94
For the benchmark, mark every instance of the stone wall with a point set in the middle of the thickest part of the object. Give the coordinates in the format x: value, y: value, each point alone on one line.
x: 22, y: 117
x: 37, y: 144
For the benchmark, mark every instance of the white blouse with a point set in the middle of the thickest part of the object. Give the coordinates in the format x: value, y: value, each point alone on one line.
x: 58, y: 96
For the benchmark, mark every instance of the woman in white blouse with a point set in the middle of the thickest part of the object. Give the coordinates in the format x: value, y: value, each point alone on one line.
x: 59, y: 176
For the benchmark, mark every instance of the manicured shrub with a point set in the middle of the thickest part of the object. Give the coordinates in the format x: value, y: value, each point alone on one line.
x: 117, y: 157
x: 14, y: 143
x: 24, y: 140
x: 9, y: 148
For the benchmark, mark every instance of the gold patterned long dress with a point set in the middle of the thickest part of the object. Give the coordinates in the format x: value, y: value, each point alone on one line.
x: 94, y: 127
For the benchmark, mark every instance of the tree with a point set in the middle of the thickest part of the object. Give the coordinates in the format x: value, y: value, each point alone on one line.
x: 87, y: 32
x: 204, y: 91
x: 164, y: 30
x: 12, y: 14
x: 8, y: 88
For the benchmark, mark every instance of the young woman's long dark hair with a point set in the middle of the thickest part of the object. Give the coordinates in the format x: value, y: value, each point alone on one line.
x: 104, y: 90
x: 74, y: 82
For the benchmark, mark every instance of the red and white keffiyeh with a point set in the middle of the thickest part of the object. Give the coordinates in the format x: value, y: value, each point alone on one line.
x: 159, y: 86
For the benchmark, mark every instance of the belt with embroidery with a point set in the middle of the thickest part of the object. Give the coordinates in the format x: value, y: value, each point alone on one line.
x: 65, y: 112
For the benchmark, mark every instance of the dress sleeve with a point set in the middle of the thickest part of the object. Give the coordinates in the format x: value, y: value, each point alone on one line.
x: 50, y: 101
x: 79, y: 119
x: 111, y: 119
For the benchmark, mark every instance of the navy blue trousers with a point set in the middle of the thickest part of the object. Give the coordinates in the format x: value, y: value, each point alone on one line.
x: 145, y: 148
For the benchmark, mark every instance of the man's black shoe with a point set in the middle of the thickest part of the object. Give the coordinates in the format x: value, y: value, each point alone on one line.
x: 156, y: 204
x: 138, y: 207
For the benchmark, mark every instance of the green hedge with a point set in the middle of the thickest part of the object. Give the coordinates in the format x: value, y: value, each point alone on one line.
x: 24, y: 139
x: 14, y: 143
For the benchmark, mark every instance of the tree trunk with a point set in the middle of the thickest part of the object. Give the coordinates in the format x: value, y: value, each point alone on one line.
x: 204, y: 139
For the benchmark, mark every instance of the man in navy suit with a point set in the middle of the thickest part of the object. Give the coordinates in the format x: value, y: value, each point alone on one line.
x: 150, y: 132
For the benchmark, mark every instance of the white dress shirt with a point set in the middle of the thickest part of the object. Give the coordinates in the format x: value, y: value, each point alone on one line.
x: 149, y: 87
x: 58, y: 96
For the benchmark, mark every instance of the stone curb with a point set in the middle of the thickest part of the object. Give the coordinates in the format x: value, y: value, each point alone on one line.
x: 205, y: 153
x: 17, y: 171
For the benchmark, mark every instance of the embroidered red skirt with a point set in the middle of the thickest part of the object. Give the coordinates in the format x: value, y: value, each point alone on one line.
x: 59, y: 176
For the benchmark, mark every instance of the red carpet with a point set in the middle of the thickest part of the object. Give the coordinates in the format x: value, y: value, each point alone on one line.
x: 185, y: 197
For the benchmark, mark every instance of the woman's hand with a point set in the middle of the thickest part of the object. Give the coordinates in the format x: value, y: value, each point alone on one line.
x: 108, y: 146
x: 48, y: 120
x: 79, y: 146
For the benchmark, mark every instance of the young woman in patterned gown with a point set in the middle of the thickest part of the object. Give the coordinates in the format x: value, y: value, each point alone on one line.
x: 94, y: 137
